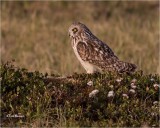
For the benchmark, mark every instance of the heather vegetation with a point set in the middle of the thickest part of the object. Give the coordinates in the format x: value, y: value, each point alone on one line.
x: 78, y: 100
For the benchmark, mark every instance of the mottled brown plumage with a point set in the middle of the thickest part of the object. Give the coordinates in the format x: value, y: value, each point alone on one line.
x: 95, y: 55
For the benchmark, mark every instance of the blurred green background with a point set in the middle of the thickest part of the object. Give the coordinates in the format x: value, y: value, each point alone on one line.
x: 35, y: 34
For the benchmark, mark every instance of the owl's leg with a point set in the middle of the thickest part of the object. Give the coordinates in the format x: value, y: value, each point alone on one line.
x: 93, y: 70
x: 90, y: 71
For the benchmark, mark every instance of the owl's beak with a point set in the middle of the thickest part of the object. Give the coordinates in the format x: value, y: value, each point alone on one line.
x: 70, y: 35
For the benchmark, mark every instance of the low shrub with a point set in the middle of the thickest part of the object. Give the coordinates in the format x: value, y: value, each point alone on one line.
x: 111, y: 100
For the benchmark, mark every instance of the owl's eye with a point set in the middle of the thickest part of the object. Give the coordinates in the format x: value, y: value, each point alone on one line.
x: 74, y: 30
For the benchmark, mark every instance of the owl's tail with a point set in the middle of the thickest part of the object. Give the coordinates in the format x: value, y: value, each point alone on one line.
x: 125, y: 67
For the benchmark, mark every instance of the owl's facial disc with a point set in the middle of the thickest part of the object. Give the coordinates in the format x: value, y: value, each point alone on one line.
x: 73, y: 31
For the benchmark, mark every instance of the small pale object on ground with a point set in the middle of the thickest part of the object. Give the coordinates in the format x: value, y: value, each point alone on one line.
x: 125, y: 95
x: 119, y: 80
x: 152, y: 79
x: 153, y: 113
x: 90, y: 83
x: 132, y: 91
x: 155, y: 102
x: 133, y: 86
x: 93, y: 93
x: 156, y: 85
x: 110, y: 93
x: 111, y: 86
x: 134, y: 81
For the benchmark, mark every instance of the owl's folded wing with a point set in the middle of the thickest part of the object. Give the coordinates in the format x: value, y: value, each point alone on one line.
x: 98, y: 54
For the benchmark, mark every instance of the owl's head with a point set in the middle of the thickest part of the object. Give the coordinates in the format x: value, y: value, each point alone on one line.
x: 76, y: 28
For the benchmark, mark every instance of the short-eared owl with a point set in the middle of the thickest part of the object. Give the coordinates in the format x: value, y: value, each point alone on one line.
x: 93, y: 54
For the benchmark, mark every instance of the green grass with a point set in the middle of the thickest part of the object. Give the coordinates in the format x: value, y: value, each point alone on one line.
x: 66, y: 102
x: 35, y: 34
